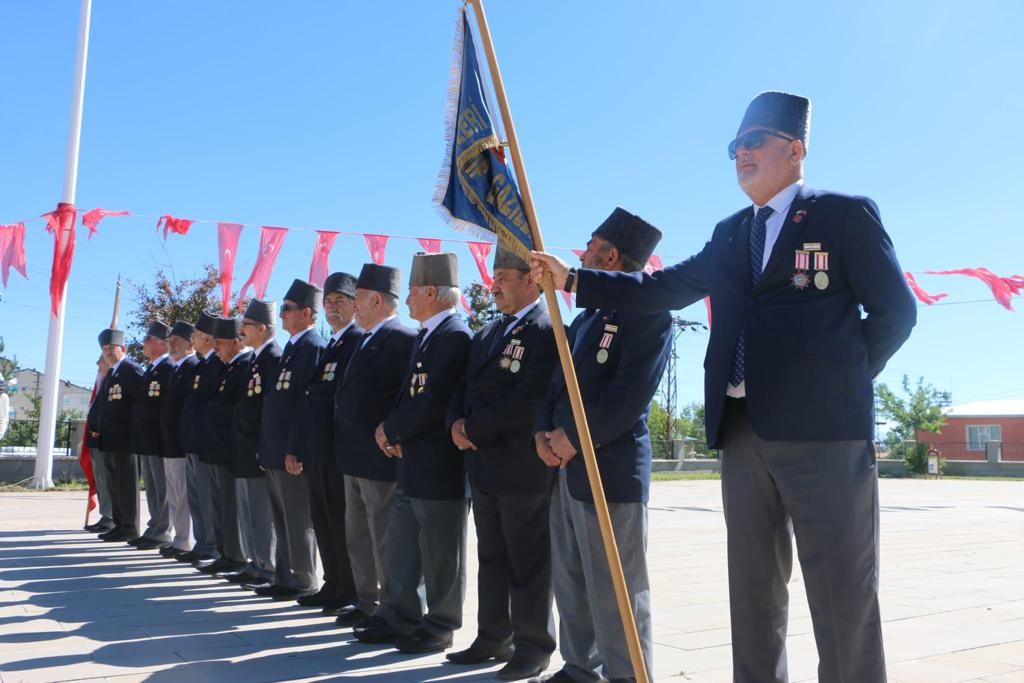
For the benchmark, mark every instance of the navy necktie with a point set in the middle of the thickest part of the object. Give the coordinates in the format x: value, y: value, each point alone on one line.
x: 757, y: 239
x: 420, y: 336
x: 499, y: 332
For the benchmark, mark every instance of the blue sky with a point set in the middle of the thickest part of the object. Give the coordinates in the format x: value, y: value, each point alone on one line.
x: 330, y: 114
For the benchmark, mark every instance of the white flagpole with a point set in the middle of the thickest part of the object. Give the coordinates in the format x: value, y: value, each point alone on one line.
x: 55, y: 338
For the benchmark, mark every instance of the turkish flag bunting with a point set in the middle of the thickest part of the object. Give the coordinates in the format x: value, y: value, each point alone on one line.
x: 319, y: 268
x: 480, y: 250
x: 923, y: 296
x: 271, y: 239
x: 12, y: 249
x: 60, y: 221
x: 1003, y: 288
x: 227, y: 249
x: 376, y: 244
x: 568, y: 298
x: 91, y: 219
x: 172, y: 224
x: 707, y: 305
x: 430, y: 245
x: 653, y: 264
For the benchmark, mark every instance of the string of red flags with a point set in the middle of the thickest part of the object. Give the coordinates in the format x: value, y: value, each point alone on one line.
x: 1003, y: 288
x: 376, y: 244
x: 60, y: 221
x: 12, y: 250
x: 227, y: 249
x: 179, y: 226
x: 320, y: 267
x: 922, y: 296
x: 271, y: 239
x: 91, y: 219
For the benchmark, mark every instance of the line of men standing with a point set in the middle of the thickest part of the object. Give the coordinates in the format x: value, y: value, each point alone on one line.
x: 370, y: 448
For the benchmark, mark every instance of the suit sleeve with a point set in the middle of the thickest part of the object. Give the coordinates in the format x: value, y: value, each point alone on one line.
x: 426, y: 410
x: 878, y: 282
x: 641, y: 364
x: 519, y: 404
x: 308, y: 371
x: 670, y: 289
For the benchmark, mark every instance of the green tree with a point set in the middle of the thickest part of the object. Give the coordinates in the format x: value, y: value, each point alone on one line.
x: 662, y: 431
x: 171, y: 301
x: 8, y: 366
x: 919, y: 410
x: 481, y: 304
x: 25, y: 432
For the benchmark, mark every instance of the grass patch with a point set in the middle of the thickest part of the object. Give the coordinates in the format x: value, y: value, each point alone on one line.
x: 24, y: 487
x: 684, y: 476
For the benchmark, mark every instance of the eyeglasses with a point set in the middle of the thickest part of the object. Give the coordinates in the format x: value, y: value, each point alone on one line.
x: 753, y: 140
x: 285, y: 308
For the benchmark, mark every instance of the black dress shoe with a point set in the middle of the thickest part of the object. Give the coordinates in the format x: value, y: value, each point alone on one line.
x: 242, y: 577
x: 135, y: 541
x: 229, y: 568
x: 99, y: 527
x: 519, y: 668
x: 150, y: 544
x: 348, y: 616
x: 188, y: 557
x: 422, y: 642
x: 279, y: 592
x: 321, y: 598
x: 116, y: 536
x: 375, y: 630
x: 480, y: 652
x: 210, y: 566
x: 258, y: 584
x: 558, y: 677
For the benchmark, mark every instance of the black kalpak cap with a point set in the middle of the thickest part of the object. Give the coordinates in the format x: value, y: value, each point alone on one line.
x: 781, y: 111
x: 384, y: 279
x: 305, y: 294
x: 227, y: 328
x: 434, y: 270
x: 260, y: 311
x: 505, y: 258
x: 183, y: 329
x: 205, y: 323
x: 158, y: 329
x: 112, y: 337
x: 340, y: 283
x: 630, y: 234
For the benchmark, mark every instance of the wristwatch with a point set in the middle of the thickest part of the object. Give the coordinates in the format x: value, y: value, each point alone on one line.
x: 570, y: 279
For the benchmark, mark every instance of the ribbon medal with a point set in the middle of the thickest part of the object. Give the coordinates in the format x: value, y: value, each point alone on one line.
x: 114, y: 393
x: 821, y: 266
x: 154, y: 388
x: 329, y: 369
x: 418, y: 383
x: 606, y: 341
x: 195, y: 382
x: 284, y: 380
x: 800, y: 279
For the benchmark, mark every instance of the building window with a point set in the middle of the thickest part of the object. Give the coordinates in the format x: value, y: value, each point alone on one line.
x: 979, y: 435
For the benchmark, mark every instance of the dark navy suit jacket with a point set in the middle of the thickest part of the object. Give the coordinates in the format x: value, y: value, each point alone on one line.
x: 117, y: 395
x: 619, y: 362
x: 220, y: 411
x: 298, y: 363
x: 170, y: 410
x: 261, y: 373
x: 431, y: 466
x: 312, y: 435
x: 146, y: 409
x: 810, y: 355
x: 195, y: 437
x: 499, y: 401
x: 366, y: 395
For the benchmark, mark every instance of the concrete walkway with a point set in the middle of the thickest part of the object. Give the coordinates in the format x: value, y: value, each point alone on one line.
x: 74, y: 608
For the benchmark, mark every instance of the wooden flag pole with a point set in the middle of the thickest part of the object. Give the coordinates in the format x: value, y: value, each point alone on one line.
x: 636, y: 654
x: 117, y: 303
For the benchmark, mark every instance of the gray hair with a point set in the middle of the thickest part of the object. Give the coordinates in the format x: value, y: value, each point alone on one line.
x: 449, y: 296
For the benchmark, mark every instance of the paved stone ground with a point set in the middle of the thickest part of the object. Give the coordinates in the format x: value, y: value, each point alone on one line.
x: 74, y: 608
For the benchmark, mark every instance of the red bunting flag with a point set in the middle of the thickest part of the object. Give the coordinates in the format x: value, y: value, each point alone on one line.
x: 60, y: 221
x: 480, y: 250
x: 271, y: 239
x: 922, y: 296
x: 12, y: 250
x: 320, y: 267
x: 179, y: 226
x: 91, y: 219
x: 1003, y: 288
x: 707, y: 305
x: 568, y: 298
x: 227, y: 249
x: 430, y: 245
x: 85, y: 453
x: 578, y: 252
x: 653, y: 264
x: 376, y: 244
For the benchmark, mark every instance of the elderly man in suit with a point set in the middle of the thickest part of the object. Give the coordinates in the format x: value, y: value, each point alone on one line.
x: 427, y: 536
x: 619, y: 359
x: 311, y: 448
x: 110, y: 421
x: 366, y: 394
x: 511, y: 362
x: 809, y: 303
x: 183, y: 366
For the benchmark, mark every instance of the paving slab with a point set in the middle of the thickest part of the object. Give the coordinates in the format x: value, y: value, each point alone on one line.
x: 75, y: 608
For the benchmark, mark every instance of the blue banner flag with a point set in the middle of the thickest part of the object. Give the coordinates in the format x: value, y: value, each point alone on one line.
x: 475, y: 191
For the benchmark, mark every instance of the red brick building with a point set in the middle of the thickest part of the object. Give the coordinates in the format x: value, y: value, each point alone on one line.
x: 970, y: 426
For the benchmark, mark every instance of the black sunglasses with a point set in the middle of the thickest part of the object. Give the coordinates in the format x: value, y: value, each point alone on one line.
x: 753, y: 140
x: 291, y: 307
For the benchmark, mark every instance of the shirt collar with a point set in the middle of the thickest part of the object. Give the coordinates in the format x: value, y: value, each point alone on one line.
x: 115, y: 366
x: 337, y: 335
x: 372, y: 331
x: 265, y: 344
x: 781, y: 202
x: 244, y: 350
x: 295, y: 337
x: 160, y: 360
x: 184, y: 358
x: 431, y: 323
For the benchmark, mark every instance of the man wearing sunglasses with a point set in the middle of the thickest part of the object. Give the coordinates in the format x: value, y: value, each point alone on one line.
x: 788, y: 393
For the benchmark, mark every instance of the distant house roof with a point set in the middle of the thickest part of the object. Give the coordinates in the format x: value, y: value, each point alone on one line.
x: 1009, y: 407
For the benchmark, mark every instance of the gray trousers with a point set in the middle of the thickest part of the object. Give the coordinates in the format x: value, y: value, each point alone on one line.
x: 295, y: 560
x: 229, y: 539
x: 99, y: 473
x: 367, y: 514
x: 158, y: 528
x: 200, y: 505
x: 256, y: 525
x: 177, y: 502
x: 591, y: 638
x: 826, y: 493
x: 426, y: 565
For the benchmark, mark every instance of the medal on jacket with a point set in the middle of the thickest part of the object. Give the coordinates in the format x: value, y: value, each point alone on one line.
x: 821, y: 266
x: 284, y: 380
x: 800, y: 279
x: 328, y: 375
x: 607, y: 337
x: 223, y: 382
x: 418, y: 381
x: 195, y: 382
x: 255, y: 385
x: 114, y: 393
x: 154, y: 388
